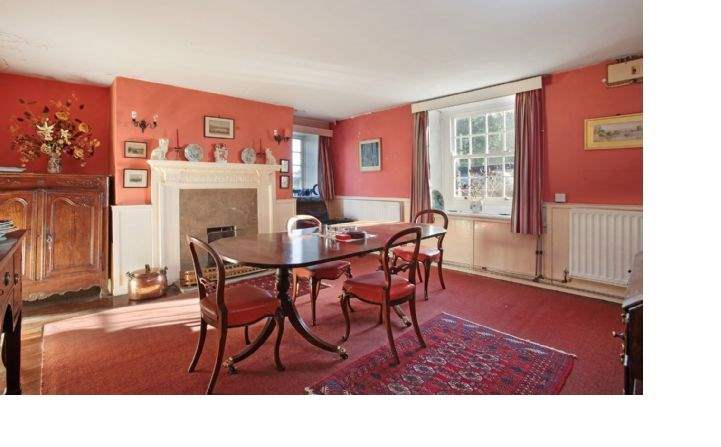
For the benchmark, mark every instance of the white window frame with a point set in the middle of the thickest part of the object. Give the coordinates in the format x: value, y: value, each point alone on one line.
x: 292, y: 163
x: 448, y: 157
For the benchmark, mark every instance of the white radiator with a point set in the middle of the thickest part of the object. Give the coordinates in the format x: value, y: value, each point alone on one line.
x: 603, y: 244
x: 371, y: 210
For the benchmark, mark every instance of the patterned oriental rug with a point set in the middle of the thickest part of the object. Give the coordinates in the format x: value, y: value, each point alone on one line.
x: 461, y: 357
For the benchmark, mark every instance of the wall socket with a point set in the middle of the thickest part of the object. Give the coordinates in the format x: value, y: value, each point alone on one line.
x: 560, y: 197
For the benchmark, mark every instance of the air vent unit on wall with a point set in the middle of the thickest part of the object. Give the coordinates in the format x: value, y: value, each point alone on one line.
x: 624, y: 71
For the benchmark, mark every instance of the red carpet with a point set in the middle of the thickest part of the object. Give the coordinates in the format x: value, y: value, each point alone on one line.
x: 460, y: 357
x: 145, y: 349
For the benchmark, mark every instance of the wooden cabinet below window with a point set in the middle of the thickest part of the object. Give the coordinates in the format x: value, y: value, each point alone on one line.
x: 66, y: 218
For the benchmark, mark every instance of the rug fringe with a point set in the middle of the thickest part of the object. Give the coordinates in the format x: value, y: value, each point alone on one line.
x: 514, y: 336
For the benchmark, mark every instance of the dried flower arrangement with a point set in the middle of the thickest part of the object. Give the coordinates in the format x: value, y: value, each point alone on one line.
x: 52, y: 132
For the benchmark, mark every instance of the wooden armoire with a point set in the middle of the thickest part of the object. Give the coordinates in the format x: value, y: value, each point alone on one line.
x: 66, y: 218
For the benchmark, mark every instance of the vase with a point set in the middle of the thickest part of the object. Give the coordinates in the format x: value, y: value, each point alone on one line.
x: 54, y: 164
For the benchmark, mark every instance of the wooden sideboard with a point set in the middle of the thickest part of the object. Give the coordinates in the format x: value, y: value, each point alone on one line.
x: 66, y: 218
x: 11, y: 305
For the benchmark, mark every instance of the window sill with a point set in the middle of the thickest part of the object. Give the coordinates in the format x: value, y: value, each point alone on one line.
x: 481, y: 216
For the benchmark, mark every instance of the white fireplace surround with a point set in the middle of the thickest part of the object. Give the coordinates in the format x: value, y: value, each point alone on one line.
x: 168, y: 177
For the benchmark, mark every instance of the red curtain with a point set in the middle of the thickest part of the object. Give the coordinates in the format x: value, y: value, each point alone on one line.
x: 420, y: 190
x: 325, y: 170
x: 526, y: 217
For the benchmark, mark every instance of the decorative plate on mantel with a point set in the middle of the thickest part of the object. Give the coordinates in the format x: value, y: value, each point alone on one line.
x: 248, y: 155
x: 193, y: 152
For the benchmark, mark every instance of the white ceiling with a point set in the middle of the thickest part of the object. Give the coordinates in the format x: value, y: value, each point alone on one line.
x: 326, y: 58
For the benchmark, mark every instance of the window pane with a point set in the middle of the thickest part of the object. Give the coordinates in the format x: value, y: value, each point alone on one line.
x: 462, y: 177
x: 511, y: 141
x: 462, y: 126
x: 495, y: 177
x: 508, y: 168
x: 477, y: 187
x: 478, y: 167
x: 462, y: 146
x: 495, y: 143
x: 495, y: 122
x: 479, y: 144
x: 296, y: 159
x: 478, y: 124
x: 296, y: 145
x: 510, y: 120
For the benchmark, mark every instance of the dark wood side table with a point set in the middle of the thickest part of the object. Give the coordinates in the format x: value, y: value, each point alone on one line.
x: 11, y: 305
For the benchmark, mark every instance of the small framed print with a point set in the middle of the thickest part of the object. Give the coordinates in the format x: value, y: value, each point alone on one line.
x: 369, y: 155
x: 216, y: 127
x: 284, y: 165
x: 284, y: 181
x: 136, y: 149
x: 135, y: 178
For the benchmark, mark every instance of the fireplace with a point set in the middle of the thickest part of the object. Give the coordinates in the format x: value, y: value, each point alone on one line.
x: 190, y: 198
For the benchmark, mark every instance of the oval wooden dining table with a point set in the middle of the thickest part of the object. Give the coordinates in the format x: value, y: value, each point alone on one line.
x: 288, y: 250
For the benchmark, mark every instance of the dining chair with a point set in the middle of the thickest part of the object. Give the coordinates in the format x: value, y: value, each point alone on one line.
x: 226, y: 306
x: 386, y: 289
x: 426, y: 255
x: 315, y: 273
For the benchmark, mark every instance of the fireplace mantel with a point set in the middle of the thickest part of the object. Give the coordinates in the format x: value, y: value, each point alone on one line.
x: 168, y: 177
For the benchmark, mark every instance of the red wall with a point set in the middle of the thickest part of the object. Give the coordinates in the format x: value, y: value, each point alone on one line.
x: 96, y: 113
x: 612, y: 176
x: 394, y: 128
x: 184, y: 109
x: 599, y: 176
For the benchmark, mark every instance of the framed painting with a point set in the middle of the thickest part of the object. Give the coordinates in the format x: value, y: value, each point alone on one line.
x: 216, y: 127
x: 369, y: 155
x: 136, y: 149
x: 135, y: 178
x: 614, y: 132
x: 284, y: 181
x: 284, y: 165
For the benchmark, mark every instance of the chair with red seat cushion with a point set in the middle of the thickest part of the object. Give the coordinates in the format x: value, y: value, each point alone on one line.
x: 426, y: 255
x: 386, y: 289
x: 314, y: 273
x: 228, y: 306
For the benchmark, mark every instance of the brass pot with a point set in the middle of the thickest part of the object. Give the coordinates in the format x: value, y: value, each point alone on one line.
x: 147, y: 283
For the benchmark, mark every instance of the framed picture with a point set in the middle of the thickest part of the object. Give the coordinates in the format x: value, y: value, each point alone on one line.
x: 284, y: 181
x: 136, y: 149
x: 614, y: 132
x: 284, y: 165
x: 216, y: 127
x: 369, y: 154
x: 135, y: 178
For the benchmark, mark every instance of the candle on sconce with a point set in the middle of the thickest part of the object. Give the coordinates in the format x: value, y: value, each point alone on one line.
x: 133, y: 114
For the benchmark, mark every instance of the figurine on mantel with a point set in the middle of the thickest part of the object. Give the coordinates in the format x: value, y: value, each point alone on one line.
x: 159, y: 153
x: 269, y: 158
x: 221, y: 153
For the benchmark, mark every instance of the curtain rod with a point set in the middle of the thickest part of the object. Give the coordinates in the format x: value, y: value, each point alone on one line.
x: 481, y: 94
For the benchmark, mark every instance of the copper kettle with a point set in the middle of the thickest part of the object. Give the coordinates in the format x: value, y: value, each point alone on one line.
x: 147, y: 283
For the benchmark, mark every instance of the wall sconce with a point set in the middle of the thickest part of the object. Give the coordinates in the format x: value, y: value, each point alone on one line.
x: 142, y: 123
x: 278, y: 137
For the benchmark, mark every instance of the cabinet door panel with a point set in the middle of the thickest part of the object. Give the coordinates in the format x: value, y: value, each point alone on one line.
x: 458, y: 243
x: 73, y: 233
x: 20, y: 207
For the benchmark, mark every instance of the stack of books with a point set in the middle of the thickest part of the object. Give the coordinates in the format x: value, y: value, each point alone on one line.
x: 6, y: 226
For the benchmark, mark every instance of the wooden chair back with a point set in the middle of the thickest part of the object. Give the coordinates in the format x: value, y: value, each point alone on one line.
x: 292, y: 223
x: 420, y: 215
x: 415, y: 232
x: 213, y: 290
